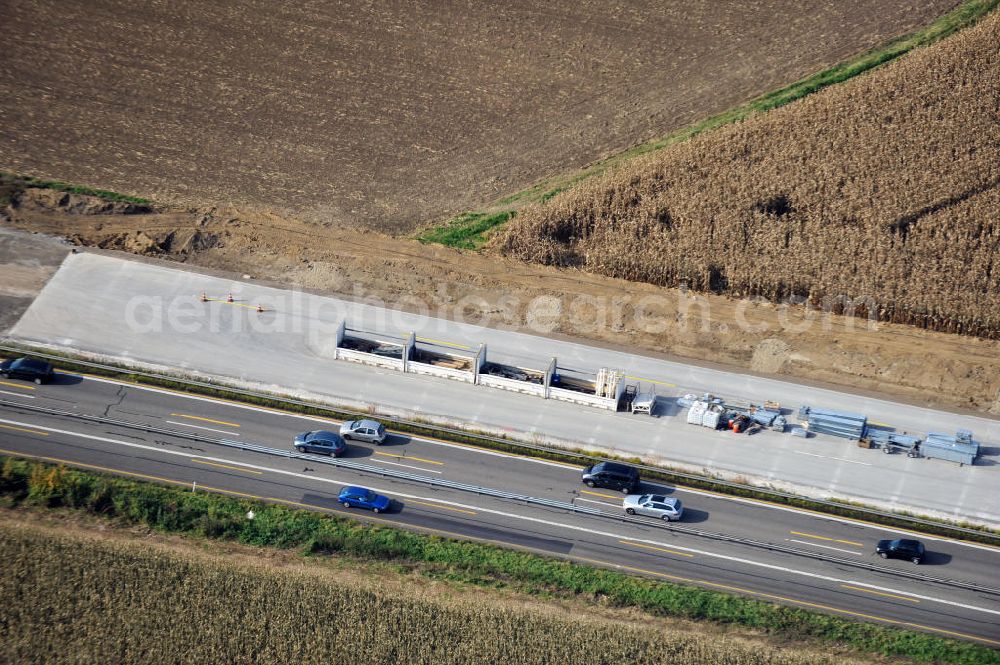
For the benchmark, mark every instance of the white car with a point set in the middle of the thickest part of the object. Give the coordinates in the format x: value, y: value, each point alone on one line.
x: 364, y: 430
x: 654, y: 505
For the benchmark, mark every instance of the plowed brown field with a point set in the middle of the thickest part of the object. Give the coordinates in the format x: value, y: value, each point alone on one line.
x: 387, y: 114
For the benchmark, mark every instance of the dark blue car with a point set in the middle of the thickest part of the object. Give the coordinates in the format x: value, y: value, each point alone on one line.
x: 362, y: 497
x: 28, y: 369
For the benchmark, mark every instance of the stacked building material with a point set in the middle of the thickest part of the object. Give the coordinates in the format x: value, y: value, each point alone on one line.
x: 960, y: 448
x: 707, y: 412
x: 763, y: 416
x: 835, y: 423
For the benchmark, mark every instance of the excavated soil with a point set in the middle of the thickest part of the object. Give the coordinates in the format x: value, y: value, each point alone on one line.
x: 394, y: 113
x: 929, y: 368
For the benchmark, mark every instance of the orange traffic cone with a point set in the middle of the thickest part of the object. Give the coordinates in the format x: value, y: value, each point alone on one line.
x: 204, y: 298
x: 229, y: 298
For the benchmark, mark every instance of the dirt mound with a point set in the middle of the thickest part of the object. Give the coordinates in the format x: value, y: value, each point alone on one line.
x: 51, y: 200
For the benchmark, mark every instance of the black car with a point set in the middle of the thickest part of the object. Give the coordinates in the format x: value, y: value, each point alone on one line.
x: 320, y: 441
x: 29, y: 369
x: 901, y: 549
x: 612, y: 475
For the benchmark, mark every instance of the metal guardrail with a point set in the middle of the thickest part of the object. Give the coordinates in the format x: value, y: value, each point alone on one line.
x: 486, y: 491
x: 332, y: 461
x: 583, y: 458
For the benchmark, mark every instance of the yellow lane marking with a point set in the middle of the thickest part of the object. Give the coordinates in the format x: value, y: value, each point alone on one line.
x: 460, y: 536
x: 872, y: 422
x: 830, y: 608
x: 16, y: 385
x: 661, y: 383
x: 25, y: 430
x: 442, y: 343
x: 409, y: 457
x: 606, y: 496
x: 434, y: 505
x: 879, y: 593
x: 227, y: 466
x: 206, y: 420
x: 234, y: 303
x: 658, y: 549
x: 832, y: 540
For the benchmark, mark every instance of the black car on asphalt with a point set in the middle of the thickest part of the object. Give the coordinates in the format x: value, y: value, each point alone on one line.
x: 901, y: 549
x: 613, y: 476
x: 320, y: 441
x: 28, y: 369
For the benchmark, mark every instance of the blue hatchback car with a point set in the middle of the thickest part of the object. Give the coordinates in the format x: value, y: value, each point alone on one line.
x: 362, y: 497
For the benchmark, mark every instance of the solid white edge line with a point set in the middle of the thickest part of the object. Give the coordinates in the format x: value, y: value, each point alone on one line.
x: 758, y: 503
x: 839, y: 459
x: 525, y: 518
x: 7, y: 392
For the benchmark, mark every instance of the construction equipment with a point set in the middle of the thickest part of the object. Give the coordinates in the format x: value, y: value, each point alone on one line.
x: 628, y: 396
x: 891, y: 442
x: 739, y: 422
x: 710, y: 411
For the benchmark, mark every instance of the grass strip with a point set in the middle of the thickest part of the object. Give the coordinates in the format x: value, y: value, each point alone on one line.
x: 467, y: 231
x: 175, y: 510
x: 11, y: 179
x: 460, y: 233
x: 841, y: 508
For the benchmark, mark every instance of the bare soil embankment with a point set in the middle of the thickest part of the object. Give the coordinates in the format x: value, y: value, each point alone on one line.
x: 926, y: 367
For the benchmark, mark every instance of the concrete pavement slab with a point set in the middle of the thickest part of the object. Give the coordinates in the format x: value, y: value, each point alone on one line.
x: 153, y: 315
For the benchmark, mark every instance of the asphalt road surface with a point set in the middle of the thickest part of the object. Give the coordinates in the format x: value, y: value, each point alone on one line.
x: 642, y: 546
x: 150, y: 314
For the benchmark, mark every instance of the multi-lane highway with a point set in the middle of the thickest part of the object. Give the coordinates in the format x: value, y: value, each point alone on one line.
x: 825, y: 573
x: 151, y: 315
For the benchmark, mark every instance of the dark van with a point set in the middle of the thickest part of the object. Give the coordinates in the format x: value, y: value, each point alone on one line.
x: 613, y: 476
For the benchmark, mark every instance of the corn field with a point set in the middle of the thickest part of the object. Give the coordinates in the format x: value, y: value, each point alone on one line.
x: 67, y: 599
x: 883, y: 192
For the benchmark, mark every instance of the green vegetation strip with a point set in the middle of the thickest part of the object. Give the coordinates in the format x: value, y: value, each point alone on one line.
x: 8, y: 180
x: 176, y: 510
x: 471, y: 230
x: 570, y: 456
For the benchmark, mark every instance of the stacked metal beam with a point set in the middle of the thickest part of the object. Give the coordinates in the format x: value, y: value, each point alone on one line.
x: 835, y: 423
x: 960, y: 448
